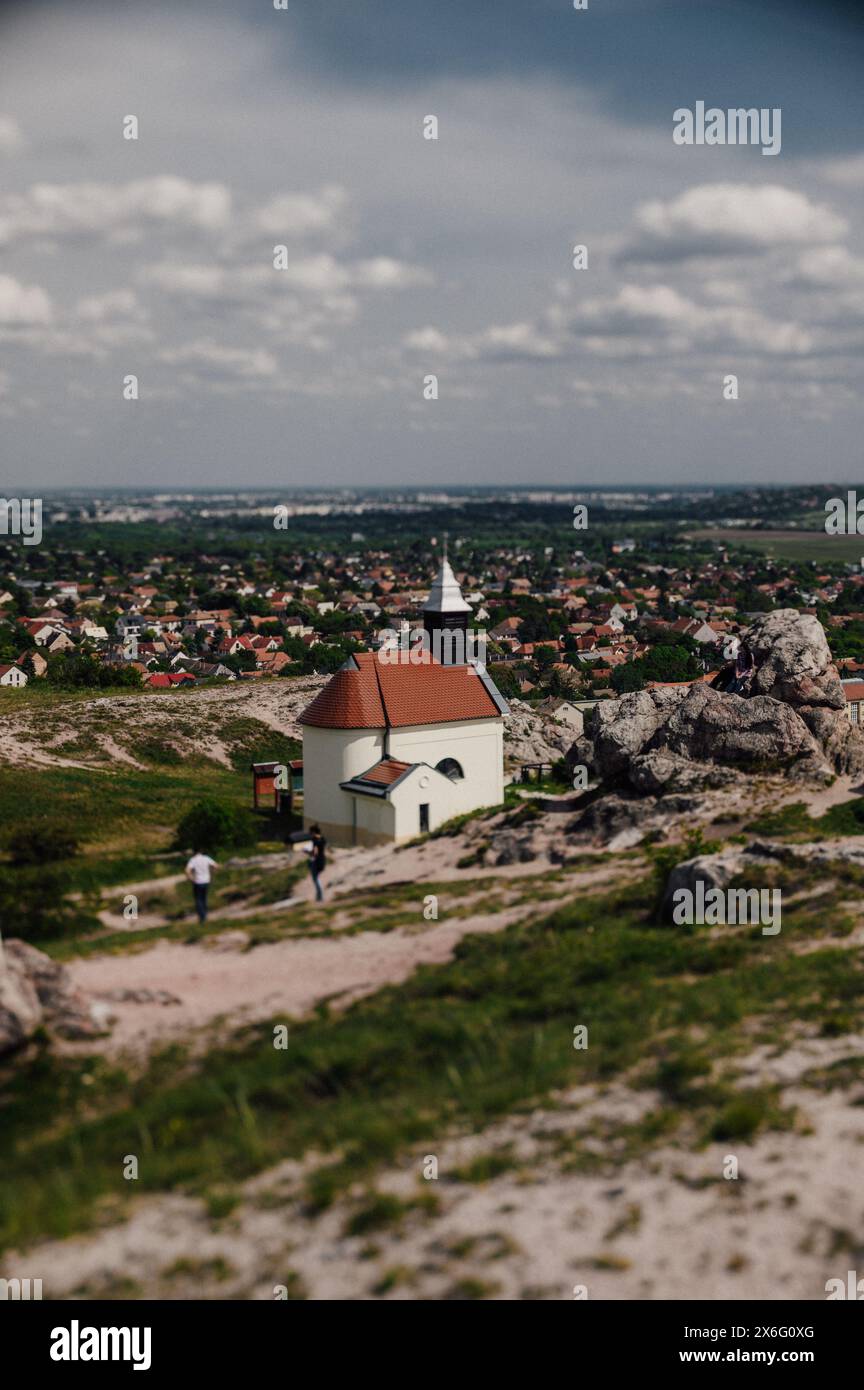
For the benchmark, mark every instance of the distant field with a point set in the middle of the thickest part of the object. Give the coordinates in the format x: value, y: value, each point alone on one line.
x: 789, y: 545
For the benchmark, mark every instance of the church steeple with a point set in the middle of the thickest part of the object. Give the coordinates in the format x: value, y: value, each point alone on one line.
x: 445, y: 616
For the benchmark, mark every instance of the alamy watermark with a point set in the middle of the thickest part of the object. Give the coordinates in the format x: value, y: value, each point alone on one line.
x: 736, y: 126
x: 701, y: 906
x: 20, y: 1289
x: 449, y: 646
x: 22, y: 516
x: 844, y: 516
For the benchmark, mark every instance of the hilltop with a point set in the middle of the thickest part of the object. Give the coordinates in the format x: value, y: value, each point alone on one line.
x: 384, y: 1096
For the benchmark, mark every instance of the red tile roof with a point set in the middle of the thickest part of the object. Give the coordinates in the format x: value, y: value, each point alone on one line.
x: 378, y: 693
x: 853, y: 690
x: 389, y: 770
x: 161, y: 680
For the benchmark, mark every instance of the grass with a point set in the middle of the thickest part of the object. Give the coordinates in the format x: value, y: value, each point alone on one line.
x: 798, y: 546
x: 123, y: 807
x: 793, y: 821
x: 380, y: 909
x: 453, y: 1048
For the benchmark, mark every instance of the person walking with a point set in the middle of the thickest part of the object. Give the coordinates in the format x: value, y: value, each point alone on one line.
x: 317, y: 858
x: 744, y: 668
x: 198, y: 872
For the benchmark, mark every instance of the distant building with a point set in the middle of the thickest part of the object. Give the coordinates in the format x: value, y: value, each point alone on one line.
x: 854, y: 692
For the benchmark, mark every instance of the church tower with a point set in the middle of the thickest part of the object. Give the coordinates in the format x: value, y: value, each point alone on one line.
x: 445, y: 617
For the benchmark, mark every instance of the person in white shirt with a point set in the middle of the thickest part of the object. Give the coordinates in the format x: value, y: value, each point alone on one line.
x: 198, y: 872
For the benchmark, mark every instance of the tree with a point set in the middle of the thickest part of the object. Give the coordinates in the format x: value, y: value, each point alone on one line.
x: 72, y: 670
x: 212, y: 825
x: 505, y: 679
x: 627, y: 678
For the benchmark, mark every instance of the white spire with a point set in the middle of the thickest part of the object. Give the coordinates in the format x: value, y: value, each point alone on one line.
x: 445, y: 596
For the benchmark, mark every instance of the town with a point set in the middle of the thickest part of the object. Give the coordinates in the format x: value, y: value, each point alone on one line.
x: 159, y: 592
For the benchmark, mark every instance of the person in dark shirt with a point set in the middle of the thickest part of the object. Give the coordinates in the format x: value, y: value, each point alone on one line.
x: 744, y: 669
x: 317, y: 858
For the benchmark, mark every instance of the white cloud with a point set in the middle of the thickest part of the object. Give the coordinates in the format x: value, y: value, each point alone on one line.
x: 101, y: 209
x: 428, y: 340
x: 215, y: 359
x: 300, y: 214
x: 196, y: 281
x: 729, y: 218
x: 27, y: 305
x: 115, y: 304
x: 828, y: 267
x: 324, y: 274
x: 635, y: 321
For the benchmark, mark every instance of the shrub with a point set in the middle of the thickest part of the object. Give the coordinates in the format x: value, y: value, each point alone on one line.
x: 211, y: 825
x: 41, y: 842
x: 35, y: 904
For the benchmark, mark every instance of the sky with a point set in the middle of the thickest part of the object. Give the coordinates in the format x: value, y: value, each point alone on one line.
x: 407, y: 258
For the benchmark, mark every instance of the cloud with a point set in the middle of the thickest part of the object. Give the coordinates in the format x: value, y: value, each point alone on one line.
x: 27, y: 305
x: 213, y: 359
x: 827, y: 267
x: 716, y: 219
x: 110, y: 210
x: 195, y: 281
x: 115, y: 304
x: 11, y: 139
x: 324, y: 274
x: 638, y: 317
x: 301, y: 214
x: 635, y: 321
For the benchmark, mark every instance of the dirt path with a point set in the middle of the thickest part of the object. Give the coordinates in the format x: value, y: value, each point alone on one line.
x: 285, y: 977
x: 219, y: 978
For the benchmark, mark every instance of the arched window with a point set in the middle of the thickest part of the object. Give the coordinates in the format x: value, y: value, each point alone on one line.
x: 451, y: 769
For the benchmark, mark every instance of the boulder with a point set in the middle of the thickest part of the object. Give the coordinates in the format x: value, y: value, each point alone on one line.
x: 793, y: 661
x: 512, y: 847
x: 36, y: 991
x: 607, y: 817
x: 20, y: 1010
x: 622, y: 728
x: 792, y: 718
x: 707, y: 724
x: 717, y: 870
x: 534, y: 736
x: 660, y: 771
x: 793, y: 664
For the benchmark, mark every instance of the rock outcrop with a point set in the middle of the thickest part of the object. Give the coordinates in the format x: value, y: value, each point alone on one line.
x: 35, y: 992
x: 743, y: 861
x: 532, y: 735
x: 792, y: 719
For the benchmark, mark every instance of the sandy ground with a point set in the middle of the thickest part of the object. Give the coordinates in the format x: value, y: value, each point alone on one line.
x: 218, y: 978
x: 35, y: 734
x: 668, y: 1225
x: 24, y: 739
x: 285, y: 977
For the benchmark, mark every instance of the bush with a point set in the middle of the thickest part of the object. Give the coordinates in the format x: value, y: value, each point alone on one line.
x: 72, y: 670
x: 41, y: 842
x: 35, y: 904
x: 210, y: 825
